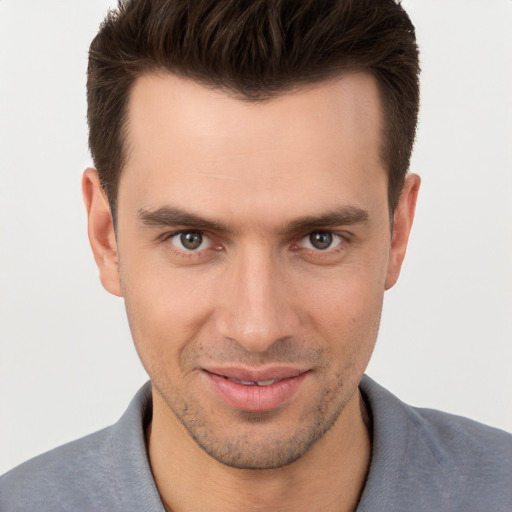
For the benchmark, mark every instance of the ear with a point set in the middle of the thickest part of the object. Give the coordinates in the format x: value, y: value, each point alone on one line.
x: 402, y: 223
x: 101, y: 231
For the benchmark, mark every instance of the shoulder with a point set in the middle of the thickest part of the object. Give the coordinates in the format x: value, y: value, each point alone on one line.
x: 451, y: 439
x: 462, y: 442
x: 105, y: 471
x: 431, y: 460
x: 50, y: 481
x: 476, y: 459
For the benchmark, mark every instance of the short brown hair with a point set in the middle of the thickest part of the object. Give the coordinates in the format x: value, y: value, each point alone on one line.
x: 254, y: 49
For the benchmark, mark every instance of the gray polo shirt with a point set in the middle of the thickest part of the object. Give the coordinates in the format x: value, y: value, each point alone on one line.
x: 422, y: 461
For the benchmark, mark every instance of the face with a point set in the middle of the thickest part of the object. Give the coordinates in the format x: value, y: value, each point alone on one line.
x: 254, y: 248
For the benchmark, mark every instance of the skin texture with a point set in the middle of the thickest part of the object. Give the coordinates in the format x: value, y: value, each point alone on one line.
x: 256, y: 295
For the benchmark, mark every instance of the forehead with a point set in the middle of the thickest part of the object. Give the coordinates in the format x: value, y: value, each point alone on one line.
x: 206, y: 143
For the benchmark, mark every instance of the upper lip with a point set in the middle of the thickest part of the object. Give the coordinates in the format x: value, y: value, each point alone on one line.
x: 256, y: 375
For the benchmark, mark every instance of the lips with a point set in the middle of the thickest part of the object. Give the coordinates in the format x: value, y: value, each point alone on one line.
x: 255, y: 391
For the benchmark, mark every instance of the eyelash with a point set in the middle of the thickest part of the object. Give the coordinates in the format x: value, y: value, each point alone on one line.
x: 344, y: 239
x: 307, y: 239
x: 190, y: 254
x: 329, y: 255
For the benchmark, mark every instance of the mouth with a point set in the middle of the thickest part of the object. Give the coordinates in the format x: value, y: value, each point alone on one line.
x: 256, y: 391
x: 263, y: 383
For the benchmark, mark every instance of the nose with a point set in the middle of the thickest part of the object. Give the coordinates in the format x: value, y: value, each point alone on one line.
x: 257, y: 302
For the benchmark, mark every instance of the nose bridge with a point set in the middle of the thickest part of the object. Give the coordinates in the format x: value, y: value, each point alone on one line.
x: 256, y: 309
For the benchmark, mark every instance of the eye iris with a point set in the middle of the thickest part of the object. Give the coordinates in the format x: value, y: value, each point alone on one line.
x: 191, y: 240
x: 321, y: 240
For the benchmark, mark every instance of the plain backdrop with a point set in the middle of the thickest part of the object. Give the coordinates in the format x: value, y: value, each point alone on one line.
x: 67, y: 364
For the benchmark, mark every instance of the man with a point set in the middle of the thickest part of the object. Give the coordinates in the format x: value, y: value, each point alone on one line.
x: 251, y: 204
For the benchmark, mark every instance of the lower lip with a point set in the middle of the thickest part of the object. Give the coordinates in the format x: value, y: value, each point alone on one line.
x: 255, y: 398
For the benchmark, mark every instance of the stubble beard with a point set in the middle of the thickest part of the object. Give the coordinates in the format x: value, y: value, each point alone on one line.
x: 259, y: 446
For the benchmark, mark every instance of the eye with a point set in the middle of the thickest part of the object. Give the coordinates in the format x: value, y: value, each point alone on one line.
x: 190, y: 241
x: 321, y: 240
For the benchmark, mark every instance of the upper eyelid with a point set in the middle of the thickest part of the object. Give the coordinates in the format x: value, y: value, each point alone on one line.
x: 336, y: 229
x: 341, y: 233
x: 170, y: 234
x: 334, y: 233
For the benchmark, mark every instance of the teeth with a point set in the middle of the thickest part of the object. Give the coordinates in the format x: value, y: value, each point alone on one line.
x: 254, y: 383
x: 266, y: 382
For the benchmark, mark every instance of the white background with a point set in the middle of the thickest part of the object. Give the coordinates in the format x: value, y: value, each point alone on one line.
x: 67, y: 364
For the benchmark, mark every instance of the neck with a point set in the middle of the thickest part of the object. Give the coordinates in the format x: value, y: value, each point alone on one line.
x: 329, y: 477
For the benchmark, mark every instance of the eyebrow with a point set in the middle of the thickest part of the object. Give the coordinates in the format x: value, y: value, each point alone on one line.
x: 172, y: 216
x: 168, y: 216
x: 344, y: 216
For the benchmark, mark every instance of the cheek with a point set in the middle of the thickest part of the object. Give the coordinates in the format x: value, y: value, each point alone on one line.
x: 346, y: 311
x: 166, y: 295
x: 166, y: 311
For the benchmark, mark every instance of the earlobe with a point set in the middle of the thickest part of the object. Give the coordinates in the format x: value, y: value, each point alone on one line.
x: 101, y: 231
x: 402, y: 223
